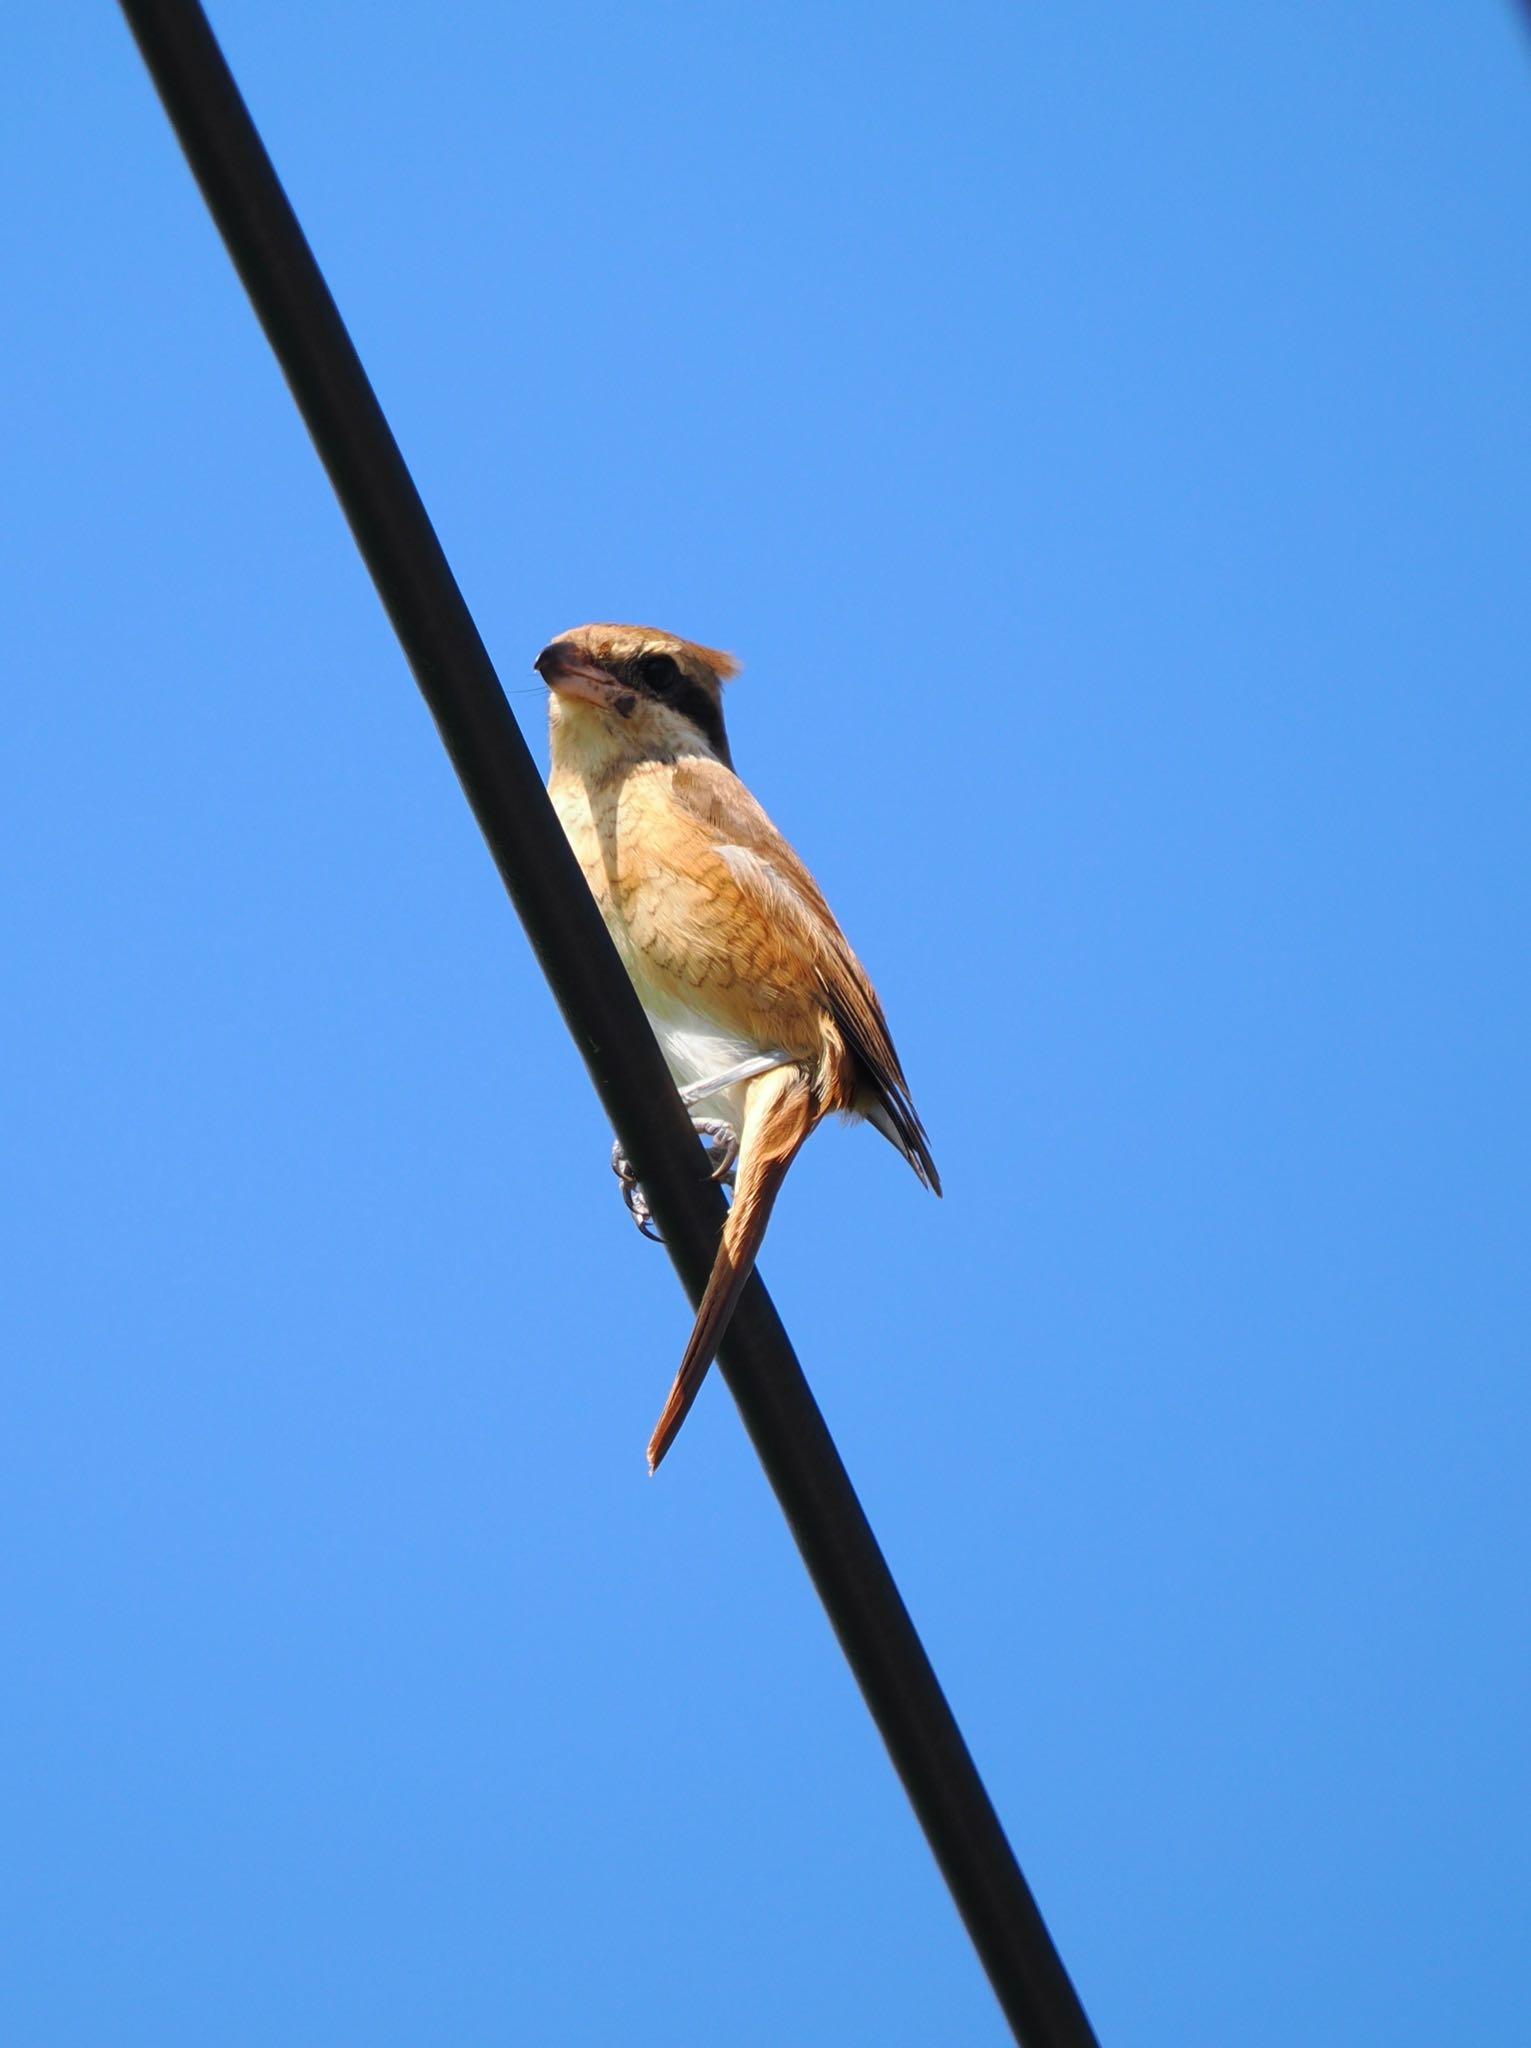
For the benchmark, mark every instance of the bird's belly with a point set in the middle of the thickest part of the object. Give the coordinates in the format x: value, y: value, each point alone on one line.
x: 697, y: 1049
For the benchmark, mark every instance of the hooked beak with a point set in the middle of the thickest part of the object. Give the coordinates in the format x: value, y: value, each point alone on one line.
x: 572, y: 674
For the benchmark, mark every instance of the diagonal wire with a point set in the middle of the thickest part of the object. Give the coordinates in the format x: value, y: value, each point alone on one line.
x: 501, y: 782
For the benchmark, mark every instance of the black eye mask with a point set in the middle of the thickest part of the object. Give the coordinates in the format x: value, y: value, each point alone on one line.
x: 661, y: 678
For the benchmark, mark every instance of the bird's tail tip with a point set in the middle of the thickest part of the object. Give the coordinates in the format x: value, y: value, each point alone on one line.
x: 676, y: 1408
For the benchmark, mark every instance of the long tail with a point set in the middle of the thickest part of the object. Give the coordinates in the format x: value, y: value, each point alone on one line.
x: 778, y: 1115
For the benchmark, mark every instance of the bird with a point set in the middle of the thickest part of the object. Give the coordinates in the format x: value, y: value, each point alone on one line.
x: 766, y: 1018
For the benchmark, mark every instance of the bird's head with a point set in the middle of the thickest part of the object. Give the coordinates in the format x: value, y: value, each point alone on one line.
x: 634, y: 691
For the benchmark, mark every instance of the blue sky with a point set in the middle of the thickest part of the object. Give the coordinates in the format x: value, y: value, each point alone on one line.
x: 1107, y: 441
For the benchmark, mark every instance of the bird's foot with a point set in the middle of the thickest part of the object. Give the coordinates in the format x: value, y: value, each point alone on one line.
x: 632, y: 1193
x: 720, y: 1141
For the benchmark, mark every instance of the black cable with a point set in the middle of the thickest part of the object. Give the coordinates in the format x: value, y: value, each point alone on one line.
x: 500, y: 779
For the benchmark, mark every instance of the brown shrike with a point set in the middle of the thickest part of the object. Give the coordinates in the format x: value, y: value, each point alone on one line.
x: 765, y: 1016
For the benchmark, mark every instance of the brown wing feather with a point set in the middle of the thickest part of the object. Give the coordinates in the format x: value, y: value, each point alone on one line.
x: 719, y: 801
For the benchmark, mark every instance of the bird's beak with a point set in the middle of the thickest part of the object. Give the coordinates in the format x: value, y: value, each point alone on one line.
x: 572, y: 674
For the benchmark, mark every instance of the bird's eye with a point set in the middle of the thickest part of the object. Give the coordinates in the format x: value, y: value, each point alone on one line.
x: 658, y: 674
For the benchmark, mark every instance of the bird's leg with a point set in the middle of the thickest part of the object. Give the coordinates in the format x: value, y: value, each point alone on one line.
x: 720, y: 1141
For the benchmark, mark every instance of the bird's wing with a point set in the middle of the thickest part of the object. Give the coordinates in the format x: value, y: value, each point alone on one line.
x: 764, y: 869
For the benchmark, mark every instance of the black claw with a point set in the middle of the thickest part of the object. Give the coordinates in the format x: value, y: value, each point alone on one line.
x: 720, y: 1141
x: 638, y: 1209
